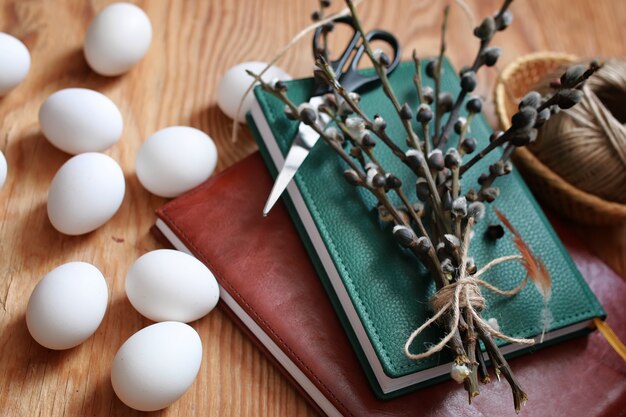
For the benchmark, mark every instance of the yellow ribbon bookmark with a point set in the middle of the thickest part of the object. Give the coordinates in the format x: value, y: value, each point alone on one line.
x: 611, y: 337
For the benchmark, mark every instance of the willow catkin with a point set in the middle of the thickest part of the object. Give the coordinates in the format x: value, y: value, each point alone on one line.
x: 586, y: 145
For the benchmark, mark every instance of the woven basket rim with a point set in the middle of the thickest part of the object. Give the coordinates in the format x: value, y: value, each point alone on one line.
x: 528, y: 158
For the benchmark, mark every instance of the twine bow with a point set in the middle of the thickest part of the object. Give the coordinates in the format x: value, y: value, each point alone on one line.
x: 465, y: 294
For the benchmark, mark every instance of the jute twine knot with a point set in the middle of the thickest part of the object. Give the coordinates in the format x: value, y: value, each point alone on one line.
x: 467, y: 296
x: 586, y: 145
x: 464, y: 295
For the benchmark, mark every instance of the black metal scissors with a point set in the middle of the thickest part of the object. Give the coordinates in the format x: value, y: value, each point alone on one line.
x: 350, y: 78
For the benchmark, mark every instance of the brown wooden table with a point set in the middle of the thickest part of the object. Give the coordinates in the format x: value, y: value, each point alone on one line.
x: 194, y: 43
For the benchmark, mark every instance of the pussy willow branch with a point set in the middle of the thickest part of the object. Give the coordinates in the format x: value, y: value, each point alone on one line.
x: 419, y: 87
x: 380, y: 132
x: 455, y: 171
x: 456, y: 108
x: 408, y: 206
x: 382, y: 74
x: 442, y: 51
x: 470, y: 337
x: 502, y: 366
x: 547, y: 103
x: 480, y: 155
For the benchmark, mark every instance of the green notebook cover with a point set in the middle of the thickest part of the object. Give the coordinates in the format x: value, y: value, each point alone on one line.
x: 380, y: 292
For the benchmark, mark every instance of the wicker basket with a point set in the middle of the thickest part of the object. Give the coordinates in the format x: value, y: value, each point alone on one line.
x: 518, y: 78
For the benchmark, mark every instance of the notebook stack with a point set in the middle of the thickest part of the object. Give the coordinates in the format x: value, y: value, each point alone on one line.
x: 324, y: 290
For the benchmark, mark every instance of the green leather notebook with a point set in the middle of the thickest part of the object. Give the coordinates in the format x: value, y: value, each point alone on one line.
x: 380, y: 292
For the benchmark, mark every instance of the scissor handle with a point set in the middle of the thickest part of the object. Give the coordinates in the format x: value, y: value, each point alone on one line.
x: 349, y: 77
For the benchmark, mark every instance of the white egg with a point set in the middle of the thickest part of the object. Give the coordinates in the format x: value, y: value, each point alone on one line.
x: 117, y: 39
x: 14, y: 62
x: 168, y: 285
x: 3, y: 169
x: 85, y: 193
x: 78, y: 120
x: 236, y: 81
x: 175, y: 160
x: 156, y: 365
x: 67, y: 305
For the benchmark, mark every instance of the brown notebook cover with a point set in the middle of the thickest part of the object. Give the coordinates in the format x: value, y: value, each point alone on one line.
x: 269, y: 287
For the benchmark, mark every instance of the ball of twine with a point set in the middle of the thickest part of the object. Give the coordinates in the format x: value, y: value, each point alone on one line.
x: 586, y: 145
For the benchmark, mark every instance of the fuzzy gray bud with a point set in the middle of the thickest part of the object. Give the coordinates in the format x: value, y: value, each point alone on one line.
x: 330, y: 101
x: 356, y: 126
x: 523, y: 137
x: 471, y: 195
x: 490, y: 56
x: 333, y: 134
x: 452, y: 159
x: 505, y: 20
x: 435, y: 160
x: 451, y: 242
x: 459, y: 207
x: 497, y: 168
x: 486, y: 29
x: 468, y: 145
x: 445, y: 102
x: 379, y: 181
x: 441, y: 251
x: 405, y: 112
x: 370, y: 174
x: 490, y: 194
x: 458, y: 125
x: 423, y: 245
x: 566, y: 99
x: 468, y: 81
x: 379, y: 123
x: 572, y: 76
x: 495, y: 135
x: 392, y: 182
x: 524, y: 119
x: 424, y: 113
x: 344, y: 109
x: 474, y: 105
x: 532, y: 99
x: 416, y: 160
x: 476, y: 209
x: 382, y: 58
x: 404, y: 236
x: 447, y: 267
x: 307, y: 114
x: 278, y: 85
x: 542, y: 117
x: 367, y: 140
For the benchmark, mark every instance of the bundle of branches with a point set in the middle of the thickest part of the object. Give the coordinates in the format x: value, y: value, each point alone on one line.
x: 438, y: 230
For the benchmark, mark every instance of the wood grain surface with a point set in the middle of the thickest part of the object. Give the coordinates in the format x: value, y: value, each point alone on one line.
x: 194, y: 43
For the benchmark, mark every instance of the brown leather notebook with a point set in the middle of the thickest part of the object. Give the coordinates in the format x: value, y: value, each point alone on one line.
x: 269, y: 287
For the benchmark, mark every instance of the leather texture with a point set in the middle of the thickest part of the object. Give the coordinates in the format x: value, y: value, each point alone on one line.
x: 388, y: 287
x: 264, y: 266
